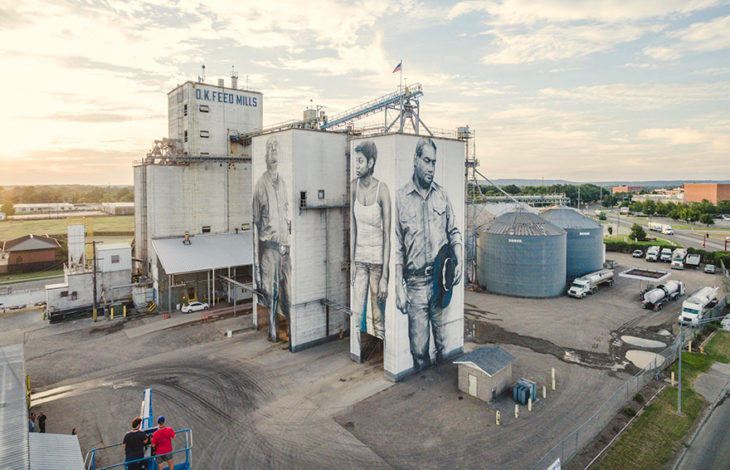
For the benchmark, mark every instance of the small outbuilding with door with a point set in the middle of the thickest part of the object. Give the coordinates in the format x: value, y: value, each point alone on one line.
x: 485, y: 373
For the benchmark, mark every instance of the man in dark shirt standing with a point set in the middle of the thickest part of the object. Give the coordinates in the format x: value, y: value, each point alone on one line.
x: 424, y: 223
x: 133, y: 443
x: 42, y: 422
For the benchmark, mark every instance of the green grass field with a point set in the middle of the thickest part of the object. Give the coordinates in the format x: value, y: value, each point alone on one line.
x: 22, y: 277
x: 10, y: 229
x: 656, y: 435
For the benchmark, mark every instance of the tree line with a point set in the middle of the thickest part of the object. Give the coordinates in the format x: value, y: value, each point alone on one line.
x: 690, y: 212
x: 72, y: 193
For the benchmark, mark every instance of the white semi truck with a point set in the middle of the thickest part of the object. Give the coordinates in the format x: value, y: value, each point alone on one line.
x: 697, y: 305
x: 657, y: 297
x: 584, y: 285
x: 661, y: 228
x: 693, y: 261
x: 666, y: 255
x: 652, y: 254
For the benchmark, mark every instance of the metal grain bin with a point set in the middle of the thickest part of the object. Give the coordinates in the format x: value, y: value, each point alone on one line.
x: 585, y: 240
x: 522, y: 255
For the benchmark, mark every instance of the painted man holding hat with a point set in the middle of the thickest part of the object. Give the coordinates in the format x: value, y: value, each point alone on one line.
x: 428, y: 255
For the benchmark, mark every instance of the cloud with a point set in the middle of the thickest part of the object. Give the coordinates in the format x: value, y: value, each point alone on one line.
x: 662, y: 53
x: 674, y: 136
x: 643, y: 96
x: 557, y: 42
x: 514, y: 12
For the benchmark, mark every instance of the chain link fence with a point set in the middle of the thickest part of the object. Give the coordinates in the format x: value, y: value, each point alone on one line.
x: 576, y: 440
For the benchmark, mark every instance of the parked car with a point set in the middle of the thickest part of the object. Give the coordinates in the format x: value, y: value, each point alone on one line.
x: 637, y: 254
x: 725, y: 217
x: 194, y: 307
x: 710, y: 268
x: 725, y: 323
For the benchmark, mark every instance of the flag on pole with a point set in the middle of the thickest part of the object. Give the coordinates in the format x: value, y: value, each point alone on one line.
x: 398, y: 67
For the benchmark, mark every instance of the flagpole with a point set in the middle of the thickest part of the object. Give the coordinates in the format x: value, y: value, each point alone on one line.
x: 401, y: 75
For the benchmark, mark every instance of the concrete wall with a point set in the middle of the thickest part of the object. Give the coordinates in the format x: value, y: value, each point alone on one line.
x: 82, y: 284
x: 696, y: 192
x: 501, y: 381
x: 180, y: 198
x: 310, y: 162
x: 105, y: 257
x: 22, y: 297
x: 394, y: 167
x: 229, y: 111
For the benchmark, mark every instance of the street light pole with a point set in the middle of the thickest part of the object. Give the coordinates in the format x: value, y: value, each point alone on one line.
x: 681, y: 345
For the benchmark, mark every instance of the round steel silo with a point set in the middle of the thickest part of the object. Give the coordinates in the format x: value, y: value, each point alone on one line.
x: 522, y: 255
x: 585, y: 240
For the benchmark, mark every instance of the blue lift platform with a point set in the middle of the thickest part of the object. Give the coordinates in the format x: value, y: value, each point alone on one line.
x: 183, y: 458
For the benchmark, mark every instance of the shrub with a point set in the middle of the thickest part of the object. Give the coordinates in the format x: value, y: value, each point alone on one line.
x: 630, y: 412
x: 639, y: 398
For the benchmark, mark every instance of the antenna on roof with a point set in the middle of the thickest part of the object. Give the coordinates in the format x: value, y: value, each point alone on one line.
x: 201, y: 77
x: 234, y: 78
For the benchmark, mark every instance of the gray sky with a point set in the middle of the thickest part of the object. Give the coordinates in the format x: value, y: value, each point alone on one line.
x: 579, y: 90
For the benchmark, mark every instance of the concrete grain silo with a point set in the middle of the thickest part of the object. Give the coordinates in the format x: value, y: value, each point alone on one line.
x: 522, y: 255
x: 585, y: 240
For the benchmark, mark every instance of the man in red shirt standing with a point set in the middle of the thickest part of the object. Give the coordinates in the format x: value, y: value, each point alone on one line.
x: 162, y: 440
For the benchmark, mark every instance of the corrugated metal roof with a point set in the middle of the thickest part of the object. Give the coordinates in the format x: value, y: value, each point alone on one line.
x: 13, y: 409
x: 567, y: 218
x: 523, y: 223
x: 205, y: 252
x: 490, y: 359
x: 55, y: 451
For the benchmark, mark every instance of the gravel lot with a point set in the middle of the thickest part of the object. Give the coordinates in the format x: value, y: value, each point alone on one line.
x: 254, y: 404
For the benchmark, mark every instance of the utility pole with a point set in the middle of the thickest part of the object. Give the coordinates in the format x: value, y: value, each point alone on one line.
x: 578, y: 196
x: 93, y: 251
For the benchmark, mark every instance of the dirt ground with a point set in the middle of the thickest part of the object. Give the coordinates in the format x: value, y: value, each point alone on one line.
x: 253, y: 404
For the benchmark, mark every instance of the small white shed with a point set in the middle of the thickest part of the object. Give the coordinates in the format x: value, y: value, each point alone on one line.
x: 485, y: 372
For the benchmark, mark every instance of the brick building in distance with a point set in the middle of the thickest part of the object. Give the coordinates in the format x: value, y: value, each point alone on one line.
x: 30, y: 253
x: 627, y: 189
x: 713, y: 192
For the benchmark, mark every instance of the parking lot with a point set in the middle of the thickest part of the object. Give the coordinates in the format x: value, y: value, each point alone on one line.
x: 254, y: 404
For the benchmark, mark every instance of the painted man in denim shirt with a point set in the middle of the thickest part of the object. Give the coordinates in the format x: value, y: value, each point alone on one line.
x: 425, y: 222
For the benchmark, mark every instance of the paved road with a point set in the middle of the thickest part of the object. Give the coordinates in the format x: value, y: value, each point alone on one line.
x: 688, y: 238
x: 18, y: 286
x: 711, y: 449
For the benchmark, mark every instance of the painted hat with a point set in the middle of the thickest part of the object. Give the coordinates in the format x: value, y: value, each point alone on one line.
x: 444, y: 273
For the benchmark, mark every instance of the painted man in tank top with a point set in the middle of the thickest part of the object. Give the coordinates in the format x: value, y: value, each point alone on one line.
x: 371, y: 215
x: 424, y: 222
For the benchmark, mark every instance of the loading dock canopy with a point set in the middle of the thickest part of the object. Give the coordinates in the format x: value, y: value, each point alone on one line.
x: 204, y: 252
x: 649, y: 275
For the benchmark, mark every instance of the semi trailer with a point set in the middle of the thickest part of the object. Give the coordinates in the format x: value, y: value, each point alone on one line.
x: 584, y: 285
x: 657, y: 297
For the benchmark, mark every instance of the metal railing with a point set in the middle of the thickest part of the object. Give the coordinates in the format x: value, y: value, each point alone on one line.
x: 90, y: 460
x: 574, y: 442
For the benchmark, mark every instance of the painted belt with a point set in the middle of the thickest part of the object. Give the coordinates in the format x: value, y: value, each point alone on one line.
x: 425, y: 271
x: 283, y: 249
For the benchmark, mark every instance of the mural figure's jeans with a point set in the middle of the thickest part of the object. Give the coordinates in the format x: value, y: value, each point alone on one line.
x: 275, y: 265
x: 421, y: 319
x: 367, y: 277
